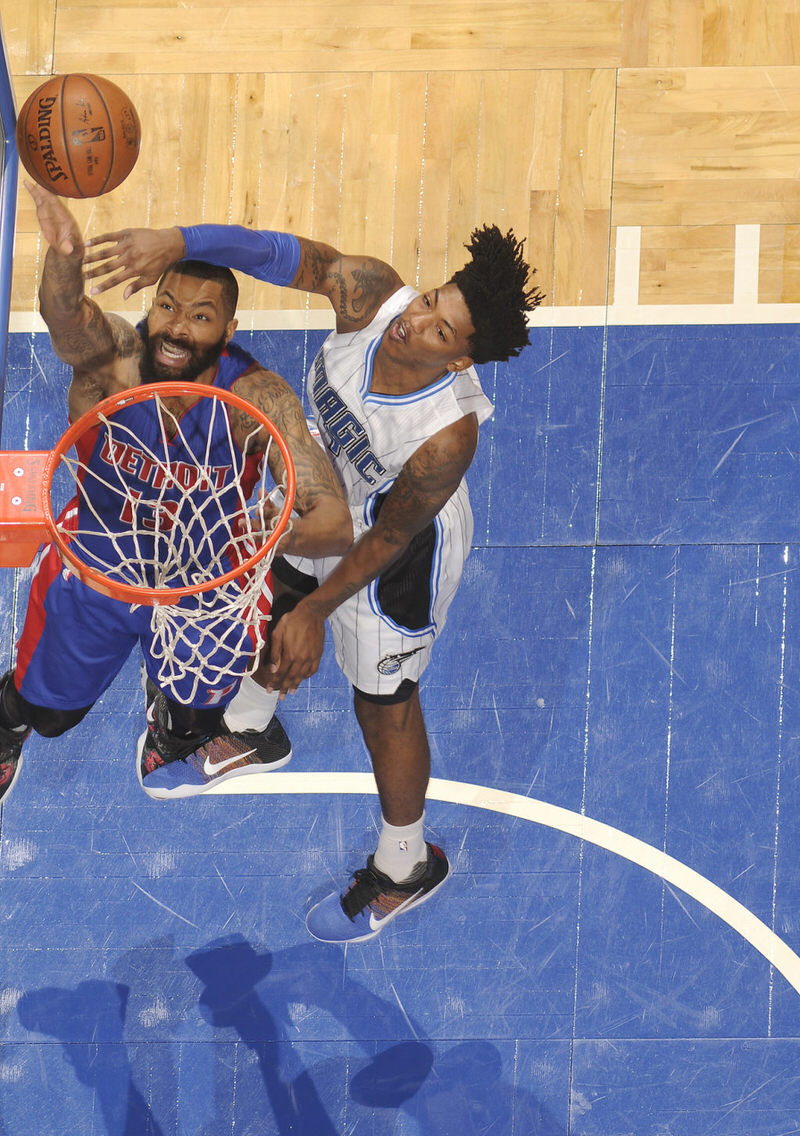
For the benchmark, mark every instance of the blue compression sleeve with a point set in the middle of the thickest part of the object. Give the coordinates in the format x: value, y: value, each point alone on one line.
x: 274, y: 257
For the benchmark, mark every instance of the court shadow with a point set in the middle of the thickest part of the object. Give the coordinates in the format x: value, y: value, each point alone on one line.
x: 379, y: 1060
x: 465, y: 1092
x: 94, y: 1009
x: 445, y: 1090
x: 230, y: 973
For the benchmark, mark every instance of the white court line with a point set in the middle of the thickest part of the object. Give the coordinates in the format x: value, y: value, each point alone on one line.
x: 728, y: 909
x: 615, y: 315
x: 625, y: 311
x: 745, y: 264
x: 627, y: 259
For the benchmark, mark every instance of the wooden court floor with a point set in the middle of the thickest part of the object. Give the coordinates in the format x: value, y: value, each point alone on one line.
x: 394, y: 128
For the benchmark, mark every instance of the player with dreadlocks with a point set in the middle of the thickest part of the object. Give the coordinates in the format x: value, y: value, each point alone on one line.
x: 398, y: 405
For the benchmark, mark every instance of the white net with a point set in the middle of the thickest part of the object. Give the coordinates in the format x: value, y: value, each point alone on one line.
x: 180, y: 507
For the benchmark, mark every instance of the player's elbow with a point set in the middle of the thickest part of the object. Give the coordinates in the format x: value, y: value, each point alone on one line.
x: 341, y: 529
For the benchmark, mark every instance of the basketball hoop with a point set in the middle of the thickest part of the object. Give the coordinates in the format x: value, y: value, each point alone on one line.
x: 190, y: 538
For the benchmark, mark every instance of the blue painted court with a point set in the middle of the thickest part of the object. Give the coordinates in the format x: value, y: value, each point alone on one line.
x: 615, y: 721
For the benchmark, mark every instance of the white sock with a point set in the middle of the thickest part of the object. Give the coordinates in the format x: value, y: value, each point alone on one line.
x: 401, y: 849
x: 251, y: 708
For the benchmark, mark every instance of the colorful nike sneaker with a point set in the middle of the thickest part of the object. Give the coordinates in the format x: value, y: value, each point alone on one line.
x: 169, y: 770
x: 10, y: 760
x: 372, y: 900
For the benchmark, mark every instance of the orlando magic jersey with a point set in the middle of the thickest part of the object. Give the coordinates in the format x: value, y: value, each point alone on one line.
x: 371, y: 436
x: 384, y: 634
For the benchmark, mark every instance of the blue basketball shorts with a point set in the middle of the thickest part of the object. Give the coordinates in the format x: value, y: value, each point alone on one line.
x: 75, y: 641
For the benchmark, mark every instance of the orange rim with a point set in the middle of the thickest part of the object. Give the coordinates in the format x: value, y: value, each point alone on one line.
x: 154, y: 596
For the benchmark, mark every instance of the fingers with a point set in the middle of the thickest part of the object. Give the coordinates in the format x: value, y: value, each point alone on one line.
x: 106, y: 239
x: 111, y: 263
x: 113, y: 281
x: 287, y: 681
x: 290, y: 663
x: 104, y: 266
x: 39, y: 194
x: 55, y: 220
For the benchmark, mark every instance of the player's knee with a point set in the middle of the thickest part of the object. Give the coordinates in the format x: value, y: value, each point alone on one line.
x: 45, y: 720
x: 53, y: 723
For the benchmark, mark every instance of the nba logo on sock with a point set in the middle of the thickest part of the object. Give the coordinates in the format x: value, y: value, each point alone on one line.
x: 403, y: 845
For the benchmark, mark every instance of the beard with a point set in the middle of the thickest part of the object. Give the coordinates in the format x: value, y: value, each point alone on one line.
x: 199, y: 360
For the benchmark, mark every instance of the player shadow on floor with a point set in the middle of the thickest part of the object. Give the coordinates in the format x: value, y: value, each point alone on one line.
x: 190, y: 1086
x: 103, y: 1064
x: 459, y: 1090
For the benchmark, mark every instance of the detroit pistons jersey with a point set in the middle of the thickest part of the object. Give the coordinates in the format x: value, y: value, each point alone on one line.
x: 136, y: 479
x: 75, y: 640
x: 384, y: 634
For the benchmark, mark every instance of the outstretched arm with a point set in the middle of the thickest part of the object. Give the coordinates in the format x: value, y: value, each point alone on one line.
x: 426, y: 482
x: 355, y: 285
x: 80, y: 332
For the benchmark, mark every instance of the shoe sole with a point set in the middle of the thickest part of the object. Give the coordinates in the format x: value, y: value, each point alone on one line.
x: 183, y: 791
x: 13, y: 784
x: 407, y: 906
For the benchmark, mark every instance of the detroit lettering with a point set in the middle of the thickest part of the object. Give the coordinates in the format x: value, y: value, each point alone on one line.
x: 343, y: 428
x: 43, y: 140
x: 186, y: 475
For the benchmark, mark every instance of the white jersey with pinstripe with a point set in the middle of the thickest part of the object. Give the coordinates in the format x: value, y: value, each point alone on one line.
x: 381, y: 635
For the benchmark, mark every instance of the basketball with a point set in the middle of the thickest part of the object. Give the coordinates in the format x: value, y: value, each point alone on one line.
x: 78, y: 135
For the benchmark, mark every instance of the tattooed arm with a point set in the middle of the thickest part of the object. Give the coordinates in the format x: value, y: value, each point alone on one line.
x: 323, y: 526
x: 355, y: 285
x: 426, y: 482
x: 91, y: 342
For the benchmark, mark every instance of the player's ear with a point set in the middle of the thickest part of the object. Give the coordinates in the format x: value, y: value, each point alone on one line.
x: 230, y: 328
x: 461, y: 363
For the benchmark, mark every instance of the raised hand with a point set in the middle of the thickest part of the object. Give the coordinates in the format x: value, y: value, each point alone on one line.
x: 59, y: 227
x: 136, y: 255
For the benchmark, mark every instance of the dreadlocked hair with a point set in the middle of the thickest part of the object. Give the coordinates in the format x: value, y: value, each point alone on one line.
x: 494, y: 284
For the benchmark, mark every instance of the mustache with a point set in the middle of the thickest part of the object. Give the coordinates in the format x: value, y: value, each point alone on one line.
x: 174, y: 342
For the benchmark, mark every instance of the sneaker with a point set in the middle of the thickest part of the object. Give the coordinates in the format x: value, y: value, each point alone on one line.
x: 167, y: 769
x: 10, y: 759
x: 372, y: 900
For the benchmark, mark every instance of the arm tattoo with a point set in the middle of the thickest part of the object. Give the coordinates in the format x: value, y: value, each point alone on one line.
x: 314, y: 266
x: 370, y: 284
x: 356, y: 286
x: 426, y: 482
x: 362, y: 290
x: 314, y: 474
x: 92, y: 337
x: 126, y: 339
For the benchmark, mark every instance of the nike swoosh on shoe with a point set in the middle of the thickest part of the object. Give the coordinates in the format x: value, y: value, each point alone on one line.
x: 210, y: 768
x: 376, y: 923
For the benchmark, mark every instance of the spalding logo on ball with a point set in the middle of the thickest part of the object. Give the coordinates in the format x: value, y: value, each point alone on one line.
x: 78, y: 135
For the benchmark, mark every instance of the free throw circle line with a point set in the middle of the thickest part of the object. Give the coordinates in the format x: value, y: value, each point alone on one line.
x: 686, y: 879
